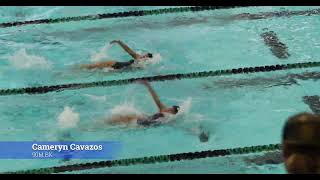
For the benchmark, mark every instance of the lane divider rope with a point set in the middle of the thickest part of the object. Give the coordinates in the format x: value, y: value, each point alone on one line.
x: 117, y: 15
x: 242, y: 16
x: 244, y: 70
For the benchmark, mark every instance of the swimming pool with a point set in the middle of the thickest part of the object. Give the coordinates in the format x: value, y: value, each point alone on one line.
x: 239, y: 110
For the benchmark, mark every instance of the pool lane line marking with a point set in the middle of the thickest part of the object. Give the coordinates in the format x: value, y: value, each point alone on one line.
x: 265, y: 15
x: 275, y: 157
x: 267, y: 82
x: 313, y: 102
x: 278, y: 48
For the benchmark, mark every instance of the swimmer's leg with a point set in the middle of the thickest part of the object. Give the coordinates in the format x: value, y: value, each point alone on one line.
x: 123, y: 119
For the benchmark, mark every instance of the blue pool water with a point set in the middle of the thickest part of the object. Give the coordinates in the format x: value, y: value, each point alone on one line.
x: 236, y: 114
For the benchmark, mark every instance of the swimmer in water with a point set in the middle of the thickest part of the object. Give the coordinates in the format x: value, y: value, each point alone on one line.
x: 116, y: 64
x: 145, y: 120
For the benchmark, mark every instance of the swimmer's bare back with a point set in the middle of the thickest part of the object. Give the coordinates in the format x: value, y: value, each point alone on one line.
x: 99, y: 65
x: 123, y: 119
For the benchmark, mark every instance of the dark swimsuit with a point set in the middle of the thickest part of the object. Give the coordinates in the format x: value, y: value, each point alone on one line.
x: 121, y: 65
x: 150, y: 120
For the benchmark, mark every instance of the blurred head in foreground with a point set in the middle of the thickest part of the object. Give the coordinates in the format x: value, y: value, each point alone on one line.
x: 301, y: 144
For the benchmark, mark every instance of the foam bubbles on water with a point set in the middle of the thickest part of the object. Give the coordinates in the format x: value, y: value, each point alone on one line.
x: 23, y: 60
x: 101, y: 54
x: 68, y: 118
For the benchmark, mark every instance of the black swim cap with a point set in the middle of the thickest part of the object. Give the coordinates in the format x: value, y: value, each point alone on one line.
x: 176, y: 109
x: 149, y: 55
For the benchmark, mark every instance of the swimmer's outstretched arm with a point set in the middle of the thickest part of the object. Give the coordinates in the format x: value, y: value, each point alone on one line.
x: 155, y: 97
x: 126, y: 48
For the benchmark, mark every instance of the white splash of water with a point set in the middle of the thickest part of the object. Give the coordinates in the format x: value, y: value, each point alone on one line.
x: 185, y: 106
x: 96, y: 98
x: 184, y: 111
x: 23, y: 60
x: 68, y: 118
x: 185, y: 119
x: 156, y: 59
x: 102, y: 54
x: 123, y: 114
x: 196, y: 130
x: 126, y: 108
